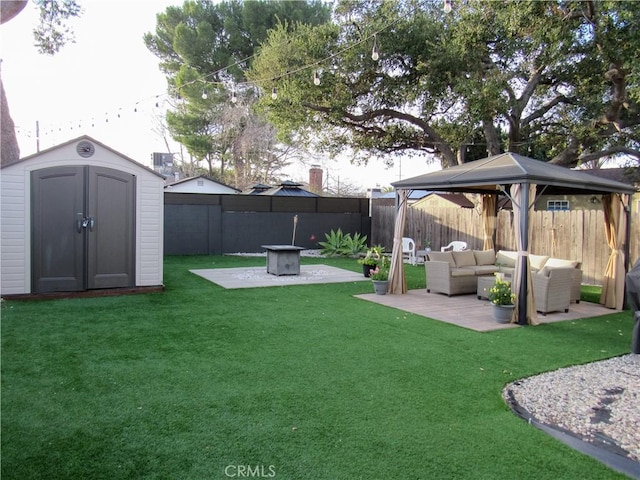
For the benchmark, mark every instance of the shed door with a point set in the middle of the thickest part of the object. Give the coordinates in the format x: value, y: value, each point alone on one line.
x: 83, y: 229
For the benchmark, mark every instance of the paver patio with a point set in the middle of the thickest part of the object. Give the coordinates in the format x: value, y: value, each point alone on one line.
x: 469, y: 312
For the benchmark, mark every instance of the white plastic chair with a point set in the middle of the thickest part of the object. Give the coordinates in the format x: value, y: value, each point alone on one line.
x: 455, y: 246
x: 409, y: 249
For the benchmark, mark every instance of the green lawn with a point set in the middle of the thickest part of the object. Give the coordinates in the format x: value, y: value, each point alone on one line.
x: 295, y: 382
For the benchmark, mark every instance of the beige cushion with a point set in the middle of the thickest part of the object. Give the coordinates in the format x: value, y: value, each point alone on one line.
x: 464, y: 258
x: 462, y: 272
x: 442, y: 257
x: 507, y: 259
x: 485, y: 257
x: 485, y: 269
x: 537, y: 261
x: 559, y: 263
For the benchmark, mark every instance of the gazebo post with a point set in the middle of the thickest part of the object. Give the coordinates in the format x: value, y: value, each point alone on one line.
x: 524, y: 236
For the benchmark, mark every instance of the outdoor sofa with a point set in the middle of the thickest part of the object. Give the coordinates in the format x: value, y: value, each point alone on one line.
x: 454, y: 273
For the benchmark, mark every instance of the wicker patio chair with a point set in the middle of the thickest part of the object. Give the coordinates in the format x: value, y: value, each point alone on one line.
x: 552, y: 289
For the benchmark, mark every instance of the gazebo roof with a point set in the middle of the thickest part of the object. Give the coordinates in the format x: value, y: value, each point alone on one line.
x: 492, y: 173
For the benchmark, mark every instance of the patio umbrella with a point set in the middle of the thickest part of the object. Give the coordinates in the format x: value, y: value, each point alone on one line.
x: 520, y: 195
x: 613, y: 287
x: 397, y: 282
x: 488, y: 220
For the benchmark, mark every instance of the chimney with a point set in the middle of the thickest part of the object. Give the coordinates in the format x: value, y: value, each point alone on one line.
x: 315, y: 179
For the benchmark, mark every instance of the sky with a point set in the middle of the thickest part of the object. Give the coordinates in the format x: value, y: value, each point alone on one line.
x: 108, y: 85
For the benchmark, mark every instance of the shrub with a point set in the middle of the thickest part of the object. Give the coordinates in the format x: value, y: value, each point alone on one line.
x: 341, y: 244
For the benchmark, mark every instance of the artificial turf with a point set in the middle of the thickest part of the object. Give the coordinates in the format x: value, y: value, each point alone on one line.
x: 291, y: 382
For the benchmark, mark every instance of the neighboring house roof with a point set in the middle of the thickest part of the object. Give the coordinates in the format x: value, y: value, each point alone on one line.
x: 80, y: 159
x: 199, y: 184
x: 257, y: 189
x: 289, y: 189
x: 413, y: 194
x: 456, y: 199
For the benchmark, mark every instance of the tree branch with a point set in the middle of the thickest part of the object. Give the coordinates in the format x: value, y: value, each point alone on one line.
x: 610, y: 151
x: 433, y: 138
x: 546, y: 107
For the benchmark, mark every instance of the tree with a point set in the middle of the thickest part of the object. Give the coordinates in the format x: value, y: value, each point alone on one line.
x: 204, y: 49
x: 50, y: 35
x: 554, y: 80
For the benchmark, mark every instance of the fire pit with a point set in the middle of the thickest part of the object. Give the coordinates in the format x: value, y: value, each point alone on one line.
x: 283, y: 259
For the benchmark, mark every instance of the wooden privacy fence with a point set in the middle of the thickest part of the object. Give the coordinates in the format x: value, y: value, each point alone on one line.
x: 576, y: 235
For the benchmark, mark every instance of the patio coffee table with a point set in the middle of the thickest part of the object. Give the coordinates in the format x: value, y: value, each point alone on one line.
x: 484, y: 284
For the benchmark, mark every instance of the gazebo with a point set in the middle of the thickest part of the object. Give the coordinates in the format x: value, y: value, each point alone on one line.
x: 522, y: 179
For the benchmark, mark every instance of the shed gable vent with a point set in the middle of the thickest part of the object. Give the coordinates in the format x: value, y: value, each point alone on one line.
x: 85, y: 149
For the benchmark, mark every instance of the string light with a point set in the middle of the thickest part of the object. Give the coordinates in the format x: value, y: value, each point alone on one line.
x: 448, y: 6
x: 374, y: 53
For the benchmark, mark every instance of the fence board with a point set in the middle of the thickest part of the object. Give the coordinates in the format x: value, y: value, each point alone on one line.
x: 577, y: 235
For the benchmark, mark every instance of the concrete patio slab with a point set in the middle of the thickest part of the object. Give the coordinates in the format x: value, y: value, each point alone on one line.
x: 252, y: 277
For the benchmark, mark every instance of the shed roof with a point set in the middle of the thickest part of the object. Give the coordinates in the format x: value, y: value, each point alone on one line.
x: 78, y: 139
x: 489, y: 174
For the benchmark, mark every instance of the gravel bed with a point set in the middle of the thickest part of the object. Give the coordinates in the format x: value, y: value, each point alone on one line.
x: 599, y: 401
x: 303, y: 253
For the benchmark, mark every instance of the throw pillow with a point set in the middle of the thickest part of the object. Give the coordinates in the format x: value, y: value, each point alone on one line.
x: 484, y: 257
x: 506, y: 259
x: 442, y: 257
x: 537, y: 261
x: 559, y: 263
x: 464, y: 258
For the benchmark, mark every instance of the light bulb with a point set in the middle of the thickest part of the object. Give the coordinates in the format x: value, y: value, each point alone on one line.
x: 316, y: 78
x: 234, y: 99
x: 274, y: 94
x: 204, y: 95
x: 374, y: 53
x: 448, y: 6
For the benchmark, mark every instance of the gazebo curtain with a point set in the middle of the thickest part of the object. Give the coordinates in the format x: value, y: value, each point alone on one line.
x: 615, y: 222
x: 489, y: 220
x: 397, y: 282
x: 519, y: 211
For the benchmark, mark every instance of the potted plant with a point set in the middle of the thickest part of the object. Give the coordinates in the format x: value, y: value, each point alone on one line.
x: 503, y: 299
x: 427, y: 245
x: 371, y: 259
x: 380, y: 276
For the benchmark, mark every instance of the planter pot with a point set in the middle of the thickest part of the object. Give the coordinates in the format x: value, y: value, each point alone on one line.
x: 503, y: 313
x: 366, y: 270
x: 380, y: 286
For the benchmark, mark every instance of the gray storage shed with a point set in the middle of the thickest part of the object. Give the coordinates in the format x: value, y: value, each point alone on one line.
x: 80, y: 216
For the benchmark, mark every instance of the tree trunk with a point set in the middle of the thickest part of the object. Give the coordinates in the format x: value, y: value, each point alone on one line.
x: 491, y: 136
x: 10, y: 152
x: 11, y: 8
